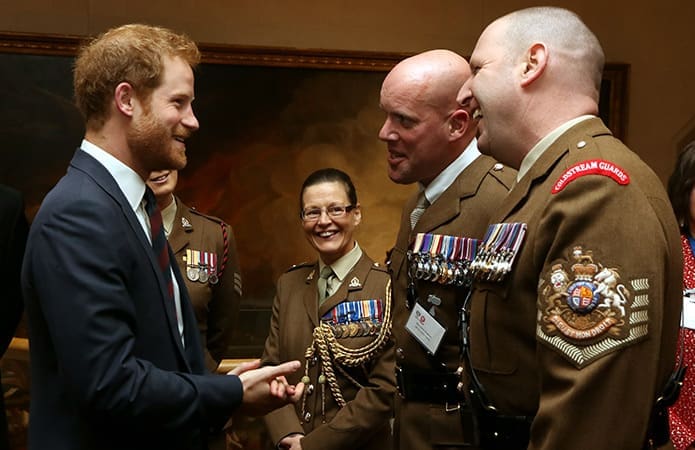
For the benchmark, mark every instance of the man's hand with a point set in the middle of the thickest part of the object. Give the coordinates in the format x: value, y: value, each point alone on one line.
x: 266, y: 388
x: 291, y: 442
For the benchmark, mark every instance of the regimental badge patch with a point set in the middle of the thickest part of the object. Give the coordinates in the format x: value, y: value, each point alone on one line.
x: 586, y: 312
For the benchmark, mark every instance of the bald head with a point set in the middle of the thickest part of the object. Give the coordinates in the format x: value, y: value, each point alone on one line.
x: 434, y: 77
x: 425, y: 128
x: 574, y: 47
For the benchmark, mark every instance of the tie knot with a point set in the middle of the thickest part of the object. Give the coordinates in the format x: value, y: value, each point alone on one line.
x: 326, y: 272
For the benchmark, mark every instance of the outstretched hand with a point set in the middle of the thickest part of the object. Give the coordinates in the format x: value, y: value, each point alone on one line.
x: 265, y: 388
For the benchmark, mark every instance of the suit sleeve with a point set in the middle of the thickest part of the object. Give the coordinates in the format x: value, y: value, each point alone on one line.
x: 283, y: 421
x: 606, y: 402
x: 83, y: 281
x: 226, y: 298
x: 15, y: 227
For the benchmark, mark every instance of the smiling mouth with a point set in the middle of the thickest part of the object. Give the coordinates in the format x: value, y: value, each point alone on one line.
x: 326, y: 234
x: 477, y: 114
x: 160, y: 178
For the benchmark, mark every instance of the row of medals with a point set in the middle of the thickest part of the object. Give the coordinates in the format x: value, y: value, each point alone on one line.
x: 425, y: 266
x: 200, y: 272
x: 354, y: 329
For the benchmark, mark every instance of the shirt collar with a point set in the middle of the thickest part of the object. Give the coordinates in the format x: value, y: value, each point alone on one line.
x: 545, y: 143
x: 447, y: 176
x: 345, y: 264
x: 130, y: 183
x: 168, y: 216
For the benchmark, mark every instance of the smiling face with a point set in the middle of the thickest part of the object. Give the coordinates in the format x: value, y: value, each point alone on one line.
x: 165, y: 120
x: 491, y: 96
x: 332, y: 237
x: 163, y: 183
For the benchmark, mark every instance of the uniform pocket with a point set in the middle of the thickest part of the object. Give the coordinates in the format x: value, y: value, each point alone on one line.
x: 492, y: 331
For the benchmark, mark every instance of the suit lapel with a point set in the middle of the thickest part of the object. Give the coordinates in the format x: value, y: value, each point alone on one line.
x: 448, y: 206
x: 178, y: 238
x: 90, y: 166
x: 310, y: 294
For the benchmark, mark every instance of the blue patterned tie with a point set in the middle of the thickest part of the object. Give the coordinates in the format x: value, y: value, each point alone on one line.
x: 159, y: 240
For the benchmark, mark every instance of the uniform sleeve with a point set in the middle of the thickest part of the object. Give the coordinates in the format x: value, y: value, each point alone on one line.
x: 283, y: 421
x: 226, y: 298
x: 600, y: 371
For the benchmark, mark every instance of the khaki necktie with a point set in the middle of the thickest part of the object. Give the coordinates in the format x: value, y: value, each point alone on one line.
x: 419, y: 209
x: 324, y: 283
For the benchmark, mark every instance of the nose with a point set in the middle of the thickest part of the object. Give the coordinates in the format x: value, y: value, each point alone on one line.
x: 190, y: 121
x: 465, y: 97
x: 324, y: 218
x: 386, y: 133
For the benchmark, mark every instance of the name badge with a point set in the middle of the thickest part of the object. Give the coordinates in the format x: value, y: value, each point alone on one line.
x: 425, y: 329
x: 689, y: 309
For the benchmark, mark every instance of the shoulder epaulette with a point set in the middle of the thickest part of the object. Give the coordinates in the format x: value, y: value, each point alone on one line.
x: 299, y: 266
x: 207, y: 216
x: 380, y: 267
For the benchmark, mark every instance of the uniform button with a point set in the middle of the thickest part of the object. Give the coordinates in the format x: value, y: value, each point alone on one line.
x: 581, y: 144
x: 498, y: 166
x: 400, y: 354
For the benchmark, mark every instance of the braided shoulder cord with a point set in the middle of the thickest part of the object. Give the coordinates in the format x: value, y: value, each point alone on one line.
x: 225, y: 251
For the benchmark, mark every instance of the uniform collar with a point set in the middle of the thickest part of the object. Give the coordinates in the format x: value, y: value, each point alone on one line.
x: 545, y: 143
x: 447, y: 176
x: 344, y: 265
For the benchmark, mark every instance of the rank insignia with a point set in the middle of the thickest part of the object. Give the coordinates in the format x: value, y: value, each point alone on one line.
x: 586, y: 312
x: 355, y: 283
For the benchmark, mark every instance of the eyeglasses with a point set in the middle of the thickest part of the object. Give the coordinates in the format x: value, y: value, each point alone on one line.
x: 334, y: 211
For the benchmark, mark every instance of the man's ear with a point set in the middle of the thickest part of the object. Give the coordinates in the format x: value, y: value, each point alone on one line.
x: 535, y: 62
x: 124, y: 97
x: 459, y: 123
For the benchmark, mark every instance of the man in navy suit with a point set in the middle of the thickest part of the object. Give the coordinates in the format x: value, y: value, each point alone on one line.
x: 116, y: 360
x: 13, y: 236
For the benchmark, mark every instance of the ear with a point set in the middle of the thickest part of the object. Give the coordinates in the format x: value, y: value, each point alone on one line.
x: 534, y: 64
x: 124, y: 98
x: 459, y: 123
x: 357, y: 214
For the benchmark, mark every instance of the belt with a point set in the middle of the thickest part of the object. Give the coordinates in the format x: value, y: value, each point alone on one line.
x: 428, y: 386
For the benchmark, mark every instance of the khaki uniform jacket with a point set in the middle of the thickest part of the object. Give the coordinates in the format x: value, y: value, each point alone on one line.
x: 216, y: 306
x: 593, y: 390
x: 464, y: 209
x: 364, y: 422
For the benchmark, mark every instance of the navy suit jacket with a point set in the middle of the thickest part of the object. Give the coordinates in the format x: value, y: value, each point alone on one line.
x: 108, y: 367
x: 13, y: 236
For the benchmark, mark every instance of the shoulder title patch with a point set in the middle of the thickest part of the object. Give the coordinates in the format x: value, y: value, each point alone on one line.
x: 591, y: 167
